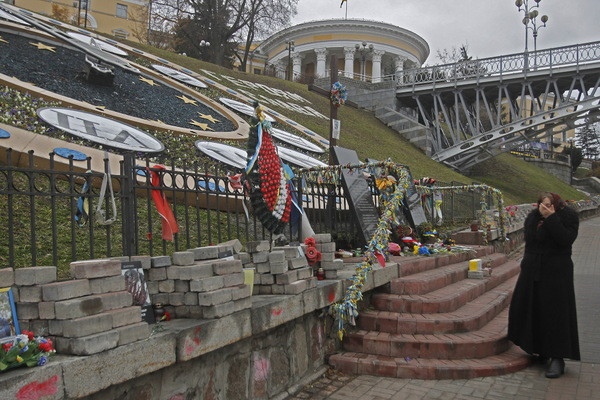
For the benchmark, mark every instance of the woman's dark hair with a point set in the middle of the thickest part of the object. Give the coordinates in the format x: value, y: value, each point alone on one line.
x: 555, y: 199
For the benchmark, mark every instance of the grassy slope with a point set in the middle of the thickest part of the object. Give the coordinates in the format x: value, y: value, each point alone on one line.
x: 519, y: 181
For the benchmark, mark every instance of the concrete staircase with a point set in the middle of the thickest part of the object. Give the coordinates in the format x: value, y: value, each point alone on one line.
x: 435, y: 323
x: 407, y: 126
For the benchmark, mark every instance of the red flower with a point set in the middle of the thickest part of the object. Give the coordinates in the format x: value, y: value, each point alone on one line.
x: 309, y: 241
x: 166, y: 316
x: 45, y: 347
x: 313, y: 255
x: 29, y: 334
x: 7, y: 346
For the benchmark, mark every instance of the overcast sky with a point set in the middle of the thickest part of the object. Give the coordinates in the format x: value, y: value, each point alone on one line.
x: 489, y: 27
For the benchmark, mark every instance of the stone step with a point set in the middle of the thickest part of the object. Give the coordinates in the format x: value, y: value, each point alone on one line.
x: 487, y: 341
x: 434, y: 279
x: 472, y: 315
x: 423, y: 368
x: 448, y: 298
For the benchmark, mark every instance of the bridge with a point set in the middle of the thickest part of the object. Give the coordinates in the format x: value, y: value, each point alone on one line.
x: 477, y: 109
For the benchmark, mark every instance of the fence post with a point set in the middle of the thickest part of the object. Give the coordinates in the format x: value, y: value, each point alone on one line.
x: 128, y: 208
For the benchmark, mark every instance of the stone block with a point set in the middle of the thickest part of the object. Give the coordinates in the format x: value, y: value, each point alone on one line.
x: 125, y: 316
x: 30, y: 294
x: 39, y: 327
x: 30, y: 276
x: 107, y: 285
x: 275, y: 311
x: 206, y: 284
x: 80, y: 307
x: 277, y: 289
x: 95, y: 268
x: 244, y: 257
x: 296, y: 287
x: 162, y: 298
x: 176, y: 299
x: 166, y: 286
x: 188, y: 273
x: 190, y: 299
x: 290, y: 251
x: 331, y: 274
x: 214, y: 297
x: 183, y: 258
x: 279, y: 268
x: 240, y: 292
x: 7, y: 277
x: 133, y: 333
x: 87, y: 345
x: 312, y: 282
x: 160, y: 261
x: 222, y: 310
x: 226, y: 267
x: 326, y: 247
x: 196, y: 312
x: 336, y: 264
x: 120, y: 258
x: 235, y: 245
x: 277, y: 256
x: 66, y: 289
x: 260, y: 257
x: 28, y: 311
x: 16, y: 384
x: 145, y: 260
x: 225, y: 251
x: 263, y: 289
x: 322, y: 237
x: 255, y: 247
x: 79, y: 327
x: 287, y: 277
x: 327, y: 257
x: 182, y: 286
x: 297, y: 262
x: 152, y: 287
x: 111, y: 301
x: 46, y: 310
x: 182, y: 311
x: 305, y: 273
x: 381, y: 275
x: 235, y: 279
x: 267, y: 279
x: 263, y: 268
x: 205, y: 253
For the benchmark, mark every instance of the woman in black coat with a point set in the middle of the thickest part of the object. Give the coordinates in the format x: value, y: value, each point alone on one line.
x: 542, y: 317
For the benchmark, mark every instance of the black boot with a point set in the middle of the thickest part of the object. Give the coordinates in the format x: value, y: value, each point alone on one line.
x: 556, y: 368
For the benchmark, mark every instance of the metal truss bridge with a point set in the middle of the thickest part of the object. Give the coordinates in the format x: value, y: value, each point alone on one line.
x: 477, y: 109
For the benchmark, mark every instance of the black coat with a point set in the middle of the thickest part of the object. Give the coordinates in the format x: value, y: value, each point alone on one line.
x: 542, y: 317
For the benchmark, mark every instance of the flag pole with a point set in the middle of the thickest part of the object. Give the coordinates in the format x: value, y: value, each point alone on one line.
x: 346, y: 9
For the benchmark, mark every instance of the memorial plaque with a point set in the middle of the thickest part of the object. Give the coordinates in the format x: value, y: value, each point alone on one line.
x: 179, y: 76
x: 296, y: 141
x: 299, y: 159
x: 99, y: 43
x: 361, y: 200
x: 244, y: 108
x: 233, y: 156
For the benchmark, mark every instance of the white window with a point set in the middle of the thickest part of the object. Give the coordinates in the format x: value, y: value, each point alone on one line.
x: 120, y: 33
x: 121, y: 11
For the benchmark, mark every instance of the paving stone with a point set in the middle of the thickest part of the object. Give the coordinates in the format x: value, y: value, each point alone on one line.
x: 263, y: 268
x: 177, y: 299
x: 111, y: 301
x: 326, y: 247
x: 160, y: 261
x: 297, y: 262
x: 336, y: 264
x: 279, y: 267
x: 225, y: 267
x: 327, y: 257
x: 196, y: 271
x: 107, y: 285
x: 290, y: 251
x: 95, y: 268
x: 263, y: 289
x: 30, y: 276
x: 152, y: 286
x: 79, y: 327
x: 214, y: 297
x: 28, y: 310
x: 296, y: 287
x: 125, y: 316
x: 7, y: 277
x: 278, y: 289
x: 277, y: 256
x: 166, y: 286
x: 183, y: 258
x: 260, y: 257
x: 331, y: 274
x: 267, y: 279
x: 205, y: 253
x: 244, y: 257
x: 305, y: 273
x: 133, y: 333
x: 235, y: 279
x: 206, y: 284
x: 322, y: 237
x: 159, y: 274
x: 261, y: 245
x: 162, y: 298
x: 182, y: 286
x: 235, y: 244
x: 190, y: 299
x: 30, y: 294
x: 46, y: 310
x: 287, y: 277
x: 222, y: 310
x: 240, y: 292
x: 87, y: 345
x: 145, y: 260
x: 66, y: 289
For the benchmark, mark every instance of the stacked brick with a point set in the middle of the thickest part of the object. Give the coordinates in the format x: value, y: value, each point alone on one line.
x: 86, y: 315
x: 282, y: 270
x: 329, y: 263
x: 200, y: 283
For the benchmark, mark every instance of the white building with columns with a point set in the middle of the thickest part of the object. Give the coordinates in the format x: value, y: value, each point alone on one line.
x: 366, y: 50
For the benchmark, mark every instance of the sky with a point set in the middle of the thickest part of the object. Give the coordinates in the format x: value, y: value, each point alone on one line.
x: 489, y: 27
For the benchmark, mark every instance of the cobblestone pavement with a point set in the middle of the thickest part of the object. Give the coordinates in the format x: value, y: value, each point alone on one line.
x: 581, y: 379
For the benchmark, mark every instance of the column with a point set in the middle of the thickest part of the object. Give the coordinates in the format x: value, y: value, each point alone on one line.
x: 399, y: 68
x: 280, y: 68
x: 349, y: 62
x: 321, y: 62
x: 297, y: 70
x: 376, y: 66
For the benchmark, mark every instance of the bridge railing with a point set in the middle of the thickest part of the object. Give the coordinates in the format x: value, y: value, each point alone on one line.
x: 546, y: 59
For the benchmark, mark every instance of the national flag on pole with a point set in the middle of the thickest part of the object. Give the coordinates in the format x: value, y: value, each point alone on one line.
x: 342, y: 3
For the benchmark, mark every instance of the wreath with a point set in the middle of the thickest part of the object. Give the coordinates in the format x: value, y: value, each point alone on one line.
x: 270, y: 194
x: 338, y: 94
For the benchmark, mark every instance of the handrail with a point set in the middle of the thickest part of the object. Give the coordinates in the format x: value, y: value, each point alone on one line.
x: 547, y: 59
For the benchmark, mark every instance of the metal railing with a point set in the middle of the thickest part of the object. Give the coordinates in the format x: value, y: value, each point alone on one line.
x: 547, y: 59
x: 528, y: 153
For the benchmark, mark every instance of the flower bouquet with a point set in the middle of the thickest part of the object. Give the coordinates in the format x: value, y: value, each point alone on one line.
x: 25, y: 349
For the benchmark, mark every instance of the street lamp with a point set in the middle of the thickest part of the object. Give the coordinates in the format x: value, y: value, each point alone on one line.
x: 531, y: 19
x: 290, y: 48
x: 363, y: 50
x: 203, y: 43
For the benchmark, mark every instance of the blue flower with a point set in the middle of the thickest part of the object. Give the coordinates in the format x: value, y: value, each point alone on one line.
x: 42, y: 361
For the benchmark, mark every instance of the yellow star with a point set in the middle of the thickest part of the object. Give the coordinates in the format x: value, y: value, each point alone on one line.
x: 208, y: 117
x: 187, y: 101
x: 2, y: 40
x: 42, y: 46
x: 202, y: 126
x: 148, y: 81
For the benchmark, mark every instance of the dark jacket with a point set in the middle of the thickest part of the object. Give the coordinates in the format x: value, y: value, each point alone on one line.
x: 542, y: 316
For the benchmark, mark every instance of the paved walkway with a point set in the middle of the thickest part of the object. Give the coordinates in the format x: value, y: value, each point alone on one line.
x: 581, y: 380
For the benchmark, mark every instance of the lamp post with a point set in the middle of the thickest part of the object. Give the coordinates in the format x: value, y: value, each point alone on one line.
x: 290, y: 48
x: 530, y: 21
x: 363, y: 49
x: 203, y: 44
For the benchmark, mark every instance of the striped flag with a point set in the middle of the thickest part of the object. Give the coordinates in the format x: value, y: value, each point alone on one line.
x: 342, y: 3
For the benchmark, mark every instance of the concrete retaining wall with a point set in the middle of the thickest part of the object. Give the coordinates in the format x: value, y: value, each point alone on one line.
x: 559, y: 169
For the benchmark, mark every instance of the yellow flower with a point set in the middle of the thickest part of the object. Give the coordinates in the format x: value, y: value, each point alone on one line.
x: 19, y: 359
x: 416, y: 249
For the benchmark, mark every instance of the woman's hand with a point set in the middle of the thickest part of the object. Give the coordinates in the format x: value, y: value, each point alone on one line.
x: 545, y: 210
